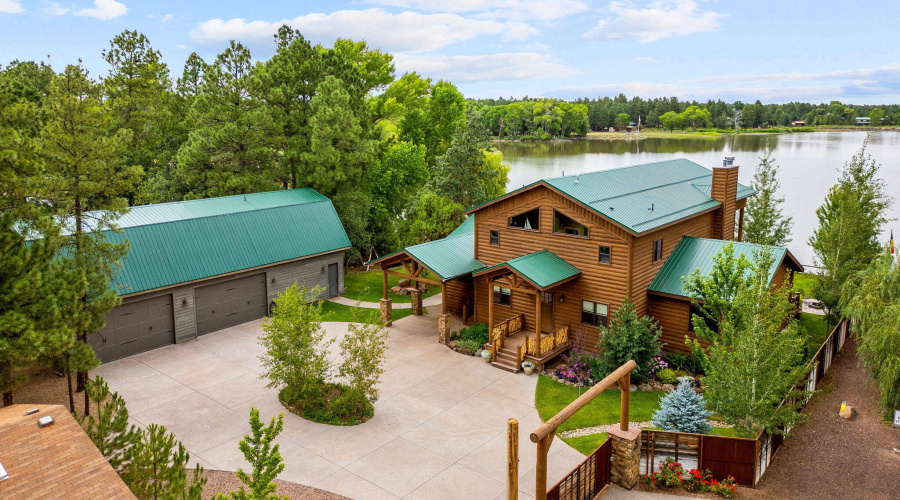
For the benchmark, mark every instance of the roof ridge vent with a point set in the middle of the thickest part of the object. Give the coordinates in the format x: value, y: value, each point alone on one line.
x: 577, y: 178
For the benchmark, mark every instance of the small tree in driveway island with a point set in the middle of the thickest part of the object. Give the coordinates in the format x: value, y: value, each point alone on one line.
x: 264, y: 458
x: 683, y: 410
x: 362, y: 353
x: 296, y: 359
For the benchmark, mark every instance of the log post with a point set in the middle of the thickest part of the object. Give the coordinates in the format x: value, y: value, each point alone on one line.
x: 543, y: 448
x: 512, y: 458
x: 385, y: 283
x: 537, y: 323
x: 490, y: 309
x: 444, y: 298
x: 741, y: 226
x: 624, y: 416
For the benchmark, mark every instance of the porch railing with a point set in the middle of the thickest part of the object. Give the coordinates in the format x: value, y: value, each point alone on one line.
x: 502, y: 330
x: 548, y: 343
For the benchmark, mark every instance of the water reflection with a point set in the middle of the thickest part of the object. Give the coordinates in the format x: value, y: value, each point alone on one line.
x: 809, y: 162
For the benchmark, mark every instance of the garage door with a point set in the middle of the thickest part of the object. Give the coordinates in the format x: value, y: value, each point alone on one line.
x: 135, y: 327
x: 230, y: 303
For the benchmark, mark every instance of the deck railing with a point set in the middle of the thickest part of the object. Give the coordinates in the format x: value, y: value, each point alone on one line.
x: 548, y: 343
x: 502, y: 330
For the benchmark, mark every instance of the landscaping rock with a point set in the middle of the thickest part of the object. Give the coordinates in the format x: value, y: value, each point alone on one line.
x: 668, y: 387
x: 395, y: 289
x: 632, y: 388
x: 847, y: 411
x: 645, y: 387
x: 403, y: 291
x: 453, y: 344
x: 403, y: 282
x: 423, y: 287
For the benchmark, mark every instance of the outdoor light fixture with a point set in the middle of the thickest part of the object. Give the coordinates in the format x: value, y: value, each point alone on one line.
x: 562, y: 299
x: 184, y: 302
x: 273, y: 280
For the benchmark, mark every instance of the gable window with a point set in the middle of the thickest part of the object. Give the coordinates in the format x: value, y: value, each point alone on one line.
x: 593, y: 313
x: 495, y: 237
x: 502, y: 296
x: 657, y: 250
x: 527, y: 220
x: 563, y: 224
x: 604, y: 257
x: 697, y: 310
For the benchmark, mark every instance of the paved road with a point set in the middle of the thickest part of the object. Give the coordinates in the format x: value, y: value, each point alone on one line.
x: 438, y: 430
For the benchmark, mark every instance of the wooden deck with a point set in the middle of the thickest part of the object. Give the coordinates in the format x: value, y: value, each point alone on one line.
x: 506, y: 355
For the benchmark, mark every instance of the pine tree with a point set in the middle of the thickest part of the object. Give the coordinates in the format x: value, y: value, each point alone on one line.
x: 158, y: 468
x: 850, y: 220
x: 85, y: 177
x: 683, y: 410
x: 229, y: 149
x: 110, y: 430
x: 264, y: 458
x: 766, y: 224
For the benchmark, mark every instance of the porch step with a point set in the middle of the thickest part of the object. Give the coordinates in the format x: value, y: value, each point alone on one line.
x: 505, y: 365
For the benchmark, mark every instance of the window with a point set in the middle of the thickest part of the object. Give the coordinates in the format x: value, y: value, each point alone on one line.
x: 604, y: 257
x: 710, y: 323
x: 657, y: 250
x: 502, y: 296
x: 528, y: 220
x: 593, y: 314
x: 495, y: 237
x: 563, y: 224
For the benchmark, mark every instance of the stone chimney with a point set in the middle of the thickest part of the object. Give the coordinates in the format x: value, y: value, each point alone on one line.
x: 724, y: 189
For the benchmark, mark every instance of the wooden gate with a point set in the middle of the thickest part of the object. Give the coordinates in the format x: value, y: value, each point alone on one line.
x: 587, y: 479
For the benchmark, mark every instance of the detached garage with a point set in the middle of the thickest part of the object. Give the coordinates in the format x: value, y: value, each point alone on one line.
x: 195, y: 267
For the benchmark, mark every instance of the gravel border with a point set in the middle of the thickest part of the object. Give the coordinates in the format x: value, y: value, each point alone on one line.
x: 220, y: 481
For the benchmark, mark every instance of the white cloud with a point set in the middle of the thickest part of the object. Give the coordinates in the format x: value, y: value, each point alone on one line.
x: 540, y: 10
x: 10, y: 7
x: 104, y: 10
x: 659, y: 19
x: 55, y: 9
x: 507, y: 66
x: 162, y: 19
x: 403, y: 32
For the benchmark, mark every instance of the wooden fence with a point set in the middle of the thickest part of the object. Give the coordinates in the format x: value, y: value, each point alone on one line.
x: 586, y: 480
x: 744, y: 459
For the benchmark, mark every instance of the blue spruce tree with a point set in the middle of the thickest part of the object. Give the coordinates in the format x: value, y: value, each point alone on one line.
x: 682, y: 410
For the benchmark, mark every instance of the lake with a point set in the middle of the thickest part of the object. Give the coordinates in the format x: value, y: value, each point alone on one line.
x: 809, y: 163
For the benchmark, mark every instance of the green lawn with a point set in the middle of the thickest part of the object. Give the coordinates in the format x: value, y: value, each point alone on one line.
x: 586, y: 444
x: 816, y: 328
x: 340, y: 312
x: 803, y: 283
x: 367, y: 287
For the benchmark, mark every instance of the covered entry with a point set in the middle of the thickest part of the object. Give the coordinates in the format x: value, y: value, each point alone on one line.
x: 230, y: 303
x: 135, y: 327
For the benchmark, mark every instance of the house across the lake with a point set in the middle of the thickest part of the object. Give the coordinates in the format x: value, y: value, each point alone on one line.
x: 199, y: 266
x: 553, y: 260
x: 863, y: 121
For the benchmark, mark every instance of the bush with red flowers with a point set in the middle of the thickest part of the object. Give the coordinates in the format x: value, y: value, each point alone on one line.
x: 671, y: 474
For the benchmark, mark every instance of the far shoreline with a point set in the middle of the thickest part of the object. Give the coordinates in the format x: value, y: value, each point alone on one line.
x: 656, y: 133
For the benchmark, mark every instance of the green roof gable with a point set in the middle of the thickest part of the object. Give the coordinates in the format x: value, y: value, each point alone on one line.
x: 542, y: 268
x: 447, y: 257
x: 174, y: 243
x: 644, y: 197
x: 697, y: 253
x: 467, y: 226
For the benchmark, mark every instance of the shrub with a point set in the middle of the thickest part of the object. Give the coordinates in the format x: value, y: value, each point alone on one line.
x: 628, y: 337
x: 478, y: 333
x: 658, y: 363
x: 667, y: 376
x: 469, y: 346
x: 362, y: 354
x: 683, y: 410
x: 683, y: 361
x: 669, y: 475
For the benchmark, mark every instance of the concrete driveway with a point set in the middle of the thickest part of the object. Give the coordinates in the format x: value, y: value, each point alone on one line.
x: 439, y: 430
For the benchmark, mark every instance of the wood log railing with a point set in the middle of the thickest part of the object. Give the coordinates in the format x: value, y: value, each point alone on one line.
x: 502, y: 330
x: 548, y: 343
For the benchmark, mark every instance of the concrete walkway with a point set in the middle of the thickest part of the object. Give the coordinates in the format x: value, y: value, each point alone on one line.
x: 434, y: 300
x: 439, y: 430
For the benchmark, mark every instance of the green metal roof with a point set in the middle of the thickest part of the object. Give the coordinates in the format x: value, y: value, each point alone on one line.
x: 643, y: 197
x: 448, y: 257
x: 173, y: 243
x: 542, y: 268
x: 697, y: 253
x: 468, y: 226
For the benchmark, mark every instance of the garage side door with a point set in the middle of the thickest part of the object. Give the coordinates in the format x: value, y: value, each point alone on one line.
x: 135, y: 327
x: 230, y: 303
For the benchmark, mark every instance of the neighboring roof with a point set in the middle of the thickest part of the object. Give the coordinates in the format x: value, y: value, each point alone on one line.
x: 54, y: 462
x: 542, y: 268
x: 174, y: 243
x: 698, y: 253
x: 641, y: 198
x: 468, y: 226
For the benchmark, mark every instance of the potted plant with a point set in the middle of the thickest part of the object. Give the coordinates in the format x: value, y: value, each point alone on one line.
x: 527, y: 367
x: 486, y: 355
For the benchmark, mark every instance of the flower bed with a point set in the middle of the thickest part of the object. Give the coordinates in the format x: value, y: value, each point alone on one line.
x: 671, y: 475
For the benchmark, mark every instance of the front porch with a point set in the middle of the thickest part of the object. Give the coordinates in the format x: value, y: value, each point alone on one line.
x: 509, y: 350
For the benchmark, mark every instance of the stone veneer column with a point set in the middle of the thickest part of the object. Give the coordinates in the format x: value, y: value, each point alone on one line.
x: 626, y: 457
x: 386, y: 312
x: 415, y: 296
x: 444, y: 328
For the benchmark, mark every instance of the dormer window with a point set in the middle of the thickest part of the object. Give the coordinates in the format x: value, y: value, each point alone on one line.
x: 527, y: 220
x: 563, y: 224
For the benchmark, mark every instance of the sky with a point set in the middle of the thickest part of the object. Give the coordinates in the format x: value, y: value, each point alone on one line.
x: 773, y: 51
